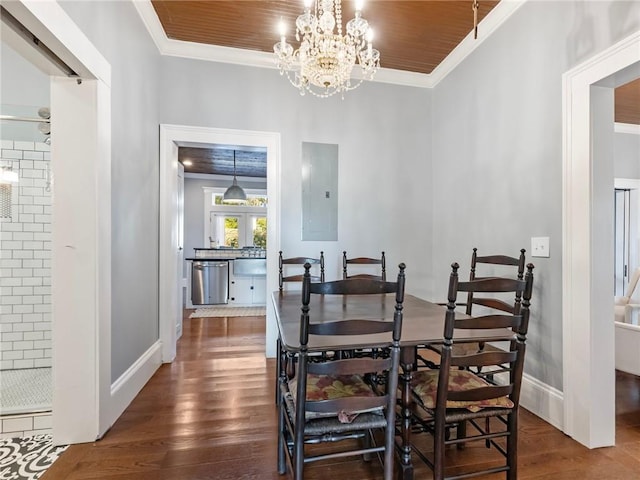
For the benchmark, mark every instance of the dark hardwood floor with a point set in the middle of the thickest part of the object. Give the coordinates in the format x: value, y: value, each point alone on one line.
x: 211, y: 415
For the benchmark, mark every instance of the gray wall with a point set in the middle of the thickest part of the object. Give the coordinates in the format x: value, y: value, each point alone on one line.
x: 627, y: 155
x: 497, y: 153
x: 383, y: 133
x: 418, y: 169
x: 118, y: 33
x: 194, y: 214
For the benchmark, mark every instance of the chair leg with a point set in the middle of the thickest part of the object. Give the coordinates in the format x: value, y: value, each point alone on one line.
x: 282, y: 461
x: 366, y: 443
x: 512, y: 446
x: 279, y: 368
x: 461, y: 432
x: 389, y: 453
x: 438, y: 451
x: 487, y: 428
x: 298, y: 454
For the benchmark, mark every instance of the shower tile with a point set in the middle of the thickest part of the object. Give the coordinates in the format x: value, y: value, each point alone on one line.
x: 34, y: 155
x: 26, y: 390
x: 11, y: 154
x: 18, y: 145
x: 42, y: 421
x: 23, y: 364
x: 19, y: 424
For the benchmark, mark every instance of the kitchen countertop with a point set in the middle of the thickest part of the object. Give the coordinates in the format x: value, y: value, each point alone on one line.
x: 219, y: 259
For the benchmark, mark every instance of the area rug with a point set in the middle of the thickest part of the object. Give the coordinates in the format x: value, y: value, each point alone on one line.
x: 27, y: 458
x: 228, y: 312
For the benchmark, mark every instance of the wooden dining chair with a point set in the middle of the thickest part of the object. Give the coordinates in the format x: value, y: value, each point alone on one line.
x: 338, y: 400
x: 495, y: 262
x: 285, y: 276
x: 500, y: 266
x: 492, y: 266
x: 469, y: 388
x: 364, y: 261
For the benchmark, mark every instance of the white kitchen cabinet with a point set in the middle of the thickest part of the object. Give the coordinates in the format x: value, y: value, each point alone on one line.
x: 260, y: 290
x: 247, y: 289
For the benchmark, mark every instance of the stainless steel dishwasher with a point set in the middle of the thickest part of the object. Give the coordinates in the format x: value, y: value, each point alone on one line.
x: 209, y: 282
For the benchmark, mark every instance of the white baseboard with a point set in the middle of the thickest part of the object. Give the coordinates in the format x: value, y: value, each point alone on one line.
x: 129, y: 384
x: 542, y: 400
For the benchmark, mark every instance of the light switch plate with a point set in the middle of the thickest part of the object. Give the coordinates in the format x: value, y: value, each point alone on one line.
x: 539, y: 246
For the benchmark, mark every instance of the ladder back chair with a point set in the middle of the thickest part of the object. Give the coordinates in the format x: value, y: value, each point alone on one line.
x: 283, y: 361
x: 492, y: 302
x: 360, y: 261
x: 502, y: 267
x: 495, y: 260
x: 301, y: 261
x: 332, y: 399
x: 471, y: 387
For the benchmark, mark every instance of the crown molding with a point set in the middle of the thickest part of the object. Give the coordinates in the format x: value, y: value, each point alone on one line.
x: 489, y: 24
x: 627, y: 128
x: 214, y: 53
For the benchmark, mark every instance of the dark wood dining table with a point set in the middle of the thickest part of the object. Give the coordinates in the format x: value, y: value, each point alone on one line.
x: 422, y: 323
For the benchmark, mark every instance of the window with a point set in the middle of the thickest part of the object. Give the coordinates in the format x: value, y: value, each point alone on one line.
x: 252, y: 201
x: 235, y: 226
x: 259, y: 231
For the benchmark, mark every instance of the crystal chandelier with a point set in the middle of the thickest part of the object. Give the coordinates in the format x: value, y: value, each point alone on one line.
x: 323, y: 62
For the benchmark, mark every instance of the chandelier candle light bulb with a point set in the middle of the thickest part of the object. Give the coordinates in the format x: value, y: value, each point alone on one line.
x: 323, y: 62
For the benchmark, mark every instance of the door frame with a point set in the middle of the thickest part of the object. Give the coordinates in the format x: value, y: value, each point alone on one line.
x: 172, y: 136
x: 84, y: 403
x: 588, y: 328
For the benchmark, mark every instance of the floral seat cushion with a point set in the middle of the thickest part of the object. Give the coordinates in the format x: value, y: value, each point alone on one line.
x: 425, y: 386
x: 326, y: 387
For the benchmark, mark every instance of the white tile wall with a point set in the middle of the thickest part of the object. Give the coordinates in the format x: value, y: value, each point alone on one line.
x: 12, y: 426
x: 25, y: 261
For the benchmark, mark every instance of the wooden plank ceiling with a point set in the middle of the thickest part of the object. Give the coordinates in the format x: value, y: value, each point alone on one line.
x: 627, y: 103
x: 218, y: 160
x: 411, y: 35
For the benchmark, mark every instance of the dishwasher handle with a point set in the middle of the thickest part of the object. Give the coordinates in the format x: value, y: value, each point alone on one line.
x: 203, y: 265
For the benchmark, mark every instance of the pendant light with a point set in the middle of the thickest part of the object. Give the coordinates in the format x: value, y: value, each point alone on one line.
x: 235, y: 193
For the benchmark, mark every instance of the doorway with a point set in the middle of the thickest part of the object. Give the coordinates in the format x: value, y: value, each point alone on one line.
x: 588, y: 364
x: 84, y: 405
x: 26, y: 192
x: 171, y: 137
